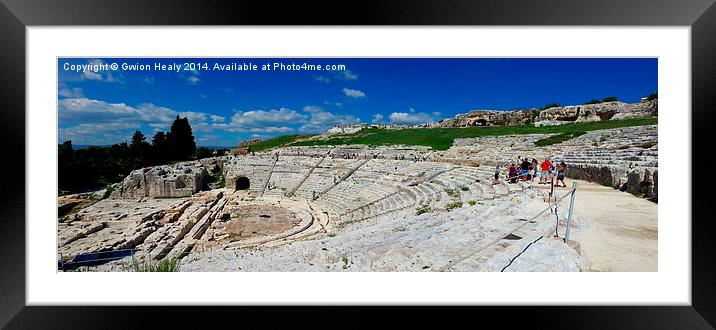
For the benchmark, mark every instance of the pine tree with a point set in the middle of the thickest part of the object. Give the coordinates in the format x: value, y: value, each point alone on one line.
x: 181, y: 139
x: 139, y: 145
x: 160, y: 150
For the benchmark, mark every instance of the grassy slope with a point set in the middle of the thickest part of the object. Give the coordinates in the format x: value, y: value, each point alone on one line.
x: 276, y: 142
x: 442, y: 138
x: 554, y: 139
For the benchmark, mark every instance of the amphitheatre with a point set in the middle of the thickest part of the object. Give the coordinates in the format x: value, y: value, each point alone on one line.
x: 319, y: 206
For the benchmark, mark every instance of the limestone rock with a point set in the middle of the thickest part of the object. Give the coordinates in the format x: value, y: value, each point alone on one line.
x: 165, y: 181
x: 554, y: 116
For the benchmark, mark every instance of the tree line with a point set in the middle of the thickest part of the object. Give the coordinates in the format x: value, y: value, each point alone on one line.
x: 95, y: 167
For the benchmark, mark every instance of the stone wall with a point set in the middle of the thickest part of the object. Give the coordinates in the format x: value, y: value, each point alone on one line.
x: 638, y: 182
x: 604, y: 175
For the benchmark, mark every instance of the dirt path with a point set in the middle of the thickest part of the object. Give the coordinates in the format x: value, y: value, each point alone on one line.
x: 621, y: 233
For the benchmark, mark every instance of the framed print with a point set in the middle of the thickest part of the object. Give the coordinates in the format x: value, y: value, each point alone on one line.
x: 403, y: 154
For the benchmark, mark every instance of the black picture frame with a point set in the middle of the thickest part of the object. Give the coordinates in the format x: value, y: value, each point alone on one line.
x: 16, y: 15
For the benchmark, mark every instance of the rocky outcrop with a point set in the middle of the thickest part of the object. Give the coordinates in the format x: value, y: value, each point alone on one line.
x: 177, y: 180
x: 639, y: 182
x: 604, y: 175
x: 597, y: 112
x: 554, y: 116
x: 491, y: 118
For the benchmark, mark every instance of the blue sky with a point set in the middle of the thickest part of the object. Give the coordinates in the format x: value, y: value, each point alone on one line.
x: 106, y: 105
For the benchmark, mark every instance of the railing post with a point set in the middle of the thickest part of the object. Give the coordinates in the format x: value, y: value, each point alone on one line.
x: 571, y: 208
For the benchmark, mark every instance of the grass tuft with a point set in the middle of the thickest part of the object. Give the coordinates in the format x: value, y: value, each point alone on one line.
x: 453, y: 205
x: 166, y: 265
x: 423, y: 208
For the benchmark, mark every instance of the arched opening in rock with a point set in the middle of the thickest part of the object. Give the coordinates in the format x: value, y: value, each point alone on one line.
x: 481, y: 122
x: 242, y: 183
x: 604, y: 116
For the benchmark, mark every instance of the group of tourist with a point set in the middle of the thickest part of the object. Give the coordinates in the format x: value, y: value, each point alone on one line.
x: 526, y: 169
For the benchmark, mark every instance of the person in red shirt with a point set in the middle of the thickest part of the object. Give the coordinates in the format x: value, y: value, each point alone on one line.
x: 545, y: 166
x: 512, y: 173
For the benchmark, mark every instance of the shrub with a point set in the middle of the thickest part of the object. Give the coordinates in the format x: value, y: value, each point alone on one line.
x: 424, y: 208
x: 534, y: 114
x: 653, y: 96
x: 610, y: 99
x: 203, y: 152
x: 595, y: 101
x: 218, y: 177
x: 453, y: 205
x: 451, y: 192
x: 472, y: 202
x: 465, y: 188
x: 551, y: 105
x: 346, y: 262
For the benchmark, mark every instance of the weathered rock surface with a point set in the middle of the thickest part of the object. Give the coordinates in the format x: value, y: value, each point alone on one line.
x: 176, y: 180
x: 555, y: 115
x: 150, y: 226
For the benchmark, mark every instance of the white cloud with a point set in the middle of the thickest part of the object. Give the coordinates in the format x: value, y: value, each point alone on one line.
x: 336, y: 104
x: 98, y: 75
x: 256, y: 118
x: 74, y: 92
x: 99, y: 122
x: 355, y: 93
x: 411, y: 118
x: 321, y: 120
x: 191, y: 77
x: 83, y: 109
x: 377, y: 118
x: 148, y: 80
x: 88, y: 121
x: 346, y: 75
x: 322, y: 79
x: 192, y: 80
x: 89, y: 75
x: 312, y: 109
x: 271, y: 129
x: 98, y: 133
